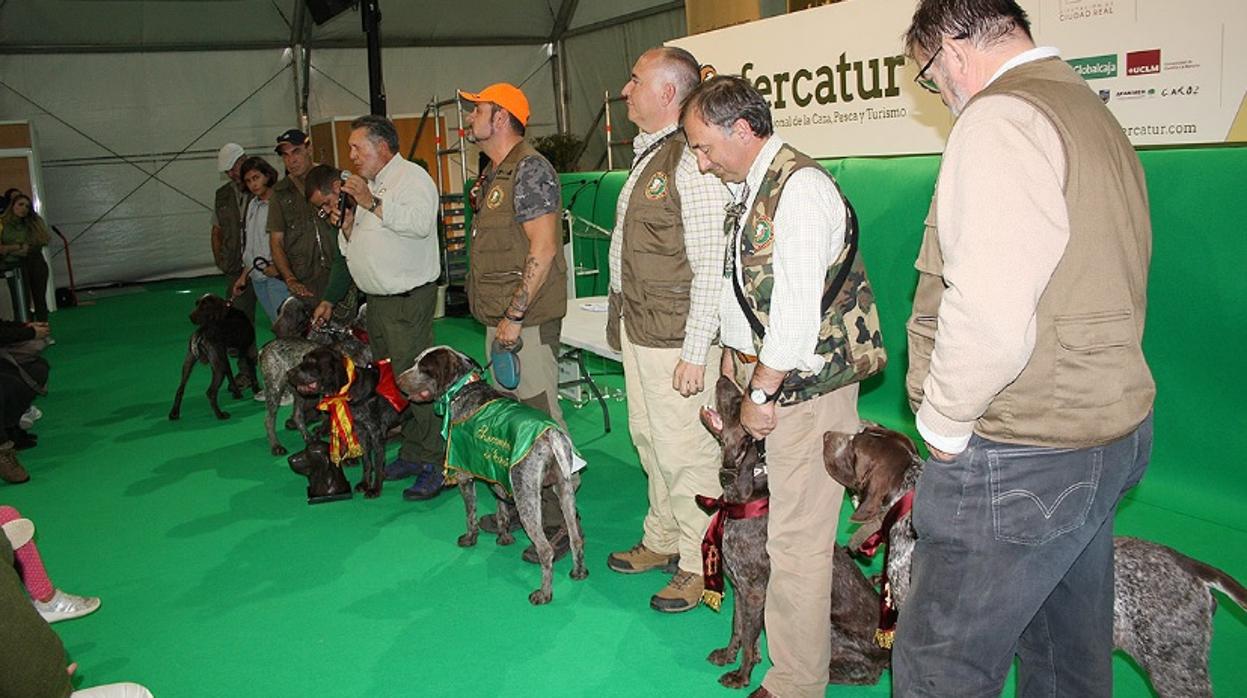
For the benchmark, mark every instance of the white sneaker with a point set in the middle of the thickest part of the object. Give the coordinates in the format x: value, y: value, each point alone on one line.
x: 29, y: 417
x: 65, y: 606
x: 19, y: 532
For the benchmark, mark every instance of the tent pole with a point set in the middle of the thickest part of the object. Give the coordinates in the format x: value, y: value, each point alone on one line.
x: 370, y: 13
x: 560, y: 87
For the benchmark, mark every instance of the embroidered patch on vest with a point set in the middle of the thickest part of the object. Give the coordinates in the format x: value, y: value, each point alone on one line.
x: 657, y: 187
x: 763, y: 233
x: 494, y: 200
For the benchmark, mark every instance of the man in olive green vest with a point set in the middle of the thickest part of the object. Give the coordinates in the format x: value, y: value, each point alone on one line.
x: 1026, y: 366
x: 786, y: 244
x: 666, y: 263
x: 517, y: 276
x: 227, y: 225
x: 300, y: 239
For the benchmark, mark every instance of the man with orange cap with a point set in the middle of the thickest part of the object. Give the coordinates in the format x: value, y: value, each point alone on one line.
x: 517, y: 277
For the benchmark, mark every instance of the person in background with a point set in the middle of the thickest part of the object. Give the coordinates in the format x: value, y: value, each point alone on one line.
x: 23, y: 376
x: 7, y: 197
x: 258, y: 269
x: 22, y: 240
x: 227, y: 224
x: 301, y: 241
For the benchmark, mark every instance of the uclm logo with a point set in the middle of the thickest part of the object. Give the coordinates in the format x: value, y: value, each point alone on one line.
x: 1143, y: 62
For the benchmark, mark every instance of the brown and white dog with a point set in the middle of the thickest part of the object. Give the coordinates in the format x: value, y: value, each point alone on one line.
x: 549, y: 461
x: 855, y: 659
x: 1163, y: 606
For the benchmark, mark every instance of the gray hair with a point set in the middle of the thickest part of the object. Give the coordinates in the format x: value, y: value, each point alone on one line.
x: 984, y: 22
x: 379, y: 130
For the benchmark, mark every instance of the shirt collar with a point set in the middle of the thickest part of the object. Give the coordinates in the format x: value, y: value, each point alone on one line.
x: 760, y: 164
x: 644, y: 140
x: 388, y: 171
x: 1035, y: 54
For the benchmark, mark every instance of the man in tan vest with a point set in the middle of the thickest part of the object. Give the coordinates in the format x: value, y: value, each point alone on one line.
x: 227, y: 224
x: 1026, y: 366
x: 517, y: 276
x: 666, y: 262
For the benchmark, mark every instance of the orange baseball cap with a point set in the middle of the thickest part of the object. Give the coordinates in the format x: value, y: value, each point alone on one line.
x: 505, y: 95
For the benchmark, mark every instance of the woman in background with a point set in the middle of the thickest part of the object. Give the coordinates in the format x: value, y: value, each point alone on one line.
x: 22, y: 240
x: 257, y: 257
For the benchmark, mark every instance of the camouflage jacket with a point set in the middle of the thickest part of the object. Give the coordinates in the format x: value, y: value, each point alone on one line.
x: 849, y: 339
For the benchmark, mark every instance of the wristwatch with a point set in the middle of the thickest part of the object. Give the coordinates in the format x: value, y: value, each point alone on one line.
x: 376, y: 201
x: 758, y: 396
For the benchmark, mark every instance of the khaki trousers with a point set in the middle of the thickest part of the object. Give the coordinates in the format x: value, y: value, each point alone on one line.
x: 678, y: 455
x: 804, y: 510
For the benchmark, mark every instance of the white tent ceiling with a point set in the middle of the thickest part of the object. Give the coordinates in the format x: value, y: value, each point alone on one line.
x: 130, y: 99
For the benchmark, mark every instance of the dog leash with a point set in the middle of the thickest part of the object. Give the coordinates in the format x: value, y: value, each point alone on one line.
x: 886, y: 631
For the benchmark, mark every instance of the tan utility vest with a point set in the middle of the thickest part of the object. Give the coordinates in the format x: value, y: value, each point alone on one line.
x: 1087, y: 382
x: 656, y: 276
x: 229, y: 220
x: 499, y: 248
x: 308, y: 238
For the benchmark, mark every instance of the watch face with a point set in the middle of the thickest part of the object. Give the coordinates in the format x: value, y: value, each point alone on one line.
x: 757, y: 396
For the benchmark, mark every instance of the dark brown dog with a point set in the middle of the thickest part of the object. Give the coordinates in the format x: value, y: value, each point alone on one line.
x: 1163, y: 602
x: 855, y: 659
x: 548, y: 462
x: 322, y: 373
x: 222, y: 330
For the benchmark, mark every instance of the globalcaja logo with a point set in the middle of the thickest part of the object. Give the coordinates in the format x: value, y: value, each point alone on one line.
x: 1095, y: 67
x: 1143, y: 62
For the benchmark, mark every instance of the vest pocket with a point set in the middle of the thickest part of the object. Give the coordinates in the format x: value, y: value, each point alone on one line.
x: 1095, y: 354
x: 664, y: 310
x: 493, y: 292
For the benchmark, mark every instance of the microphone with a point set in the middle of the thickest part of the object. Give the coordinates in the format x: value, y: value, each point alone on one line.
x: 343, y: 196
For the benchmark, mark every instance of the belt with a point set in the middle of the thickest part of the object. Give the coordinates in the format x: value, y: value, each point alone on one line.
x: 745, y: 358
x: 404, y: 294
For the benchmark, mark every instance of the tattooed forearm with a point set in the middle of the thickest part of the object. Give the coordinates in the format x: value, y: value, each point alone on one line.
x: 535, y: 273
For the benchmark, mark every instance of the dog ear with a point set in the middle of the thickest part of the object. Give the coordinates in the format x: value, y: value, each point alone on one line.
x: 712, y: 421
x: 882, y: 458
x: 838, y: 458
x: 727, y: 399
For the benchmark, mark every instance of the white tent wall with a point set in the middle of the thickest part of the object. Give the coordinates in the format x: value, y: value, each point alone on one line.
x: 602, y: 60
x: 106, y: 123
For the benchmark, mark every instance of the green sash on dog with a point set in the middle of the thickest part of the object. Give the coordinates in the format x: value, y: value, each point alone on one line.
x: 488, y: 442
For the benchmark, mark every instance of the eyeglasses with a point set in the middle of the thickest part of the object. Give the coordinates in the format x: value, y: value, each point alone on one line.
x: 921, y: 78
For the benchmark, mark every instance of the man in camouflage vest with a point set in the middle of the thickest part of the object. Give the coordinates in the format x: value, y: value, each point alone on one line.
x: 1026, y: 366
x: 227, y: 225
x: 300, y: 239
x: 517, y: 276
x: 786, y: 233
x: 666, y: 262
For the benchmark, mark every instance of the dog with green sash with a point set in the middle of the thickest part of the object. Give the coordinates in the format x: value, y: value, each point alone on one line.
x: 516, y: 449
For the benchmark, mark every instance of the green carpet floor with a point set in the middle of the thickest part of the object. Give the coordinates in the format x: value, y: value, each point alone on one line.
x: 217, y: 578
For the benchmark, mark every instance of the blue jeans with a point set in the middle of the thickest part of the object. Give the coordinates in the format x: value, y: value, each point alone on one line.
x: 270, y: 292
x: 1015, y: 558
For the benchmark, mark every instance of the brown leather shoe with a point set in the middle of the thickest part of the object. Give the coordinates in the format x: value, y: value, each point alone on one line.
x: 641, y: 559
x: 682, y: 593
x: 11, y: 469
x: 559, y: 540
x: 761, y: 692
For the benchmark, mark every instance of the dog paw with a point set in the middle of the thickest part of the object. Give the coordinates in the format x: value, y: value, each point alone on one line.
x: 174, y: 416
x: 539, y: 597
x: 734, y: 679
x: 222, y: 416
x: 291, y: 424
x: 371, y: 493
x: 722, y: 656
x: 279, y: 450
x: 467, y: 540
x: 579, y: 573
x: 505, y: 539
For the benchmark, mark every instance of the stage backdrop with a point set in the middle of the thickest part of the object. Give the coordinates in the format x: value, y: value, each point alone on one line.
x: 839, y: 83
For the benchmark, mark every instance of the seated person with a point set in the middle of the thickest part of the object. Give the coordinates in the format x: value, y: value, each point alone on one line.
x: 34, y: 661
x: 51, y: 603
x: 23, y: 376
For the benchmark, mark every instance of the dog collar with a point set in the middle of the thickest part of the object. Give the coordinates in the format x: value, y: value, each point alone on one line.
x: 712, y: 542
x: 441, y: 407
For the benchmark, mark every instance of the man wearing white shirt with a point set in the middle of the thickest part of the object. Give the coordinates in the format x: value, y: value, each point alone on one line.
x: 391, y: 250
x: 1026, y: 367
x: 786, y: 237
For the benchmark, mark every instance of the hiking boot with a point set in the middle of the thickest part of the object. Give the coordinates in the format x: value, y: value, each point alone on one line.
x: 428, y: 484
x: 559, y: 540
x: 682, y: 593
x: 641, y: 559
x: 11, y: 469
x: 489, y: 522
x: 399, y: 469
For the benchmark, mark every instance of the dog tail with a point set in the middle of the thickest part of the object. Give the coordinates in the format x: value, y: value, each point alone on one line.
x: 1213, y: 578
